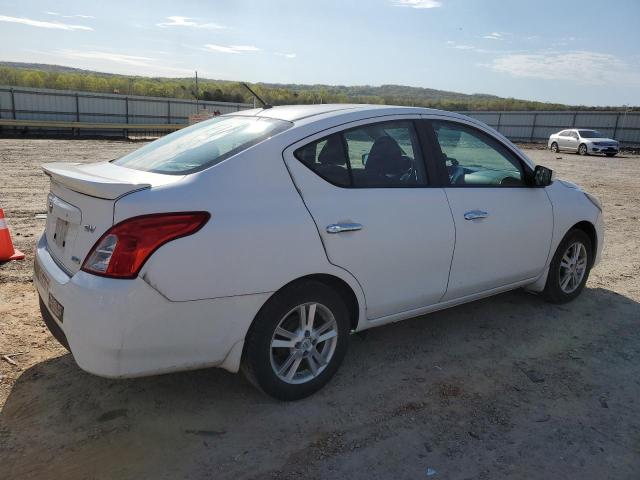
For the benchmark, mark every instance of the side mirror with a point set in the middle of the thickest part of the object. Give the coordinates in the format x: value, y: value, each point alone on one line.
x: 542, y: 176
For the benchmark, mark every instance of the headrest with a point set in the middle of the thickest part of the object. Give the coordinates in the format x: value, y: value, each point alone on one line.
x: 332, y: 153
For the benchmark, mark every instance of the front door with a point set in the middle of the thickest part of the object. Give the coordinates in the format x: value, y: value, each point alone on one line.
x: 367, y: 189
x: 503, y: 226
x: 572, y: 141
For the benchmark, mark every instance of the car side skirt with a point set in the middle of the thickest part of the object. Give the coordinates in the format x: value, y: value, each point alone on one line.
x: 451, y: 303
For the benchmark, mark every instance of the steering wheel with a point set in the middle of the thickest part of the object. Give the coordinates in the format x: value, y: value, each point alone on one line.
x: 455, y: 171
x: 410, y: 176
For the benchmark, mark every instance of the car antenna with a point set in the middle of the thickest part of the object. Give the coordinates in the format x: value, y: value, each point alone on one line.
x: 264, y: 104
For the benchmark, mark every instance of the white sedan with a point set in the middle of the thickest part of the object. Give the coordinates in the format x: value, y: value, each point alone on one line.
x: 583, y: 141
x: 260, y: 240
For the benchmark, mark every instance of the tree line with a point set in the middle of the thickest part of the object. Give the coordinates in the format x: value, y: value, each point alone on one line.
x: 275, y: 94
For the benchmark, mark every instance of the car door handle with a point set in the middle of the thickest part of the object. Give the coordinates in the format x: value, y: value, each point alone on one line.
x: 475, y: 214
x: 343, y: 227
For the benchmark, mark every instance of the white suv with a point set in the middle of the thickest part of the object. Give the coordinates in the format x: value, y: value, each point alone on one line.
x: 260, y: 240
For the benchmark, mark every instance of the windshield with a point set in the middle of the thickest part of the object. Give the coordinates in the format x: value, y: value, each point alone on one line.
x: 202, y: 145
x: 590, y: 134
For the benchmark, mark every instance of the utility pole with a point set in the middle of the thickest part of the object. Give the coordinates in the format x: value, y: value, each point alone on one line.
x: 197, y: 94
x: 624, y: 121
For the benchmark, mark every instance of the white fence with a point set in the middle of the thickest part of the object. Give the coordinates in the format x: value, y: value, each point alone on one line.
x: 20, y: 105
x: 536, y: 126
x: 44, y: 105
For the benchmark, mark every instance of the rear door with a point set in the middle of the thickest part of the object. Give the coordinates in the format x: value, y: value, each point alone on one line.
x: 377, y: 213
x: 503, y: 226
x: 563, y: 139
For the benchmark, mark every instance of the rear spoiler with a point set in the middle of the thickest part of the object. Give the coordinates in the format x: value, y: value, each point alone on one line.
x: 101, y: 180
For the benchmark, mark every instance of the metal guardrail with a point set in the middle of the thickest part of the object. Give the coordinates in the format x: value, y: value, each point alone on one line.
x: 92, y: 126
x: 47, y: 111
x: 537, y: 126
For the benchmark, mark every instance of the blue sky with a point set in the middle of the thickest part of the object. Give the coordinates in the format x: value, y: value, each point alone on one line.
x: 578, y: 52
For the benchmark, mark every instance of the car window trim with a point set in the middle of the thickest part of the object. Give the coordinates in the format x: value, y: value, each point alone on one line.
x: 429, y: 181
x: 439, y: 157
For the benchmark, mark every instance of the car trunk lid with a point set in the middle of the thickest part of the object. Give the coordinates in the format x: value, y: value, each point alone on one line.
x: 80, y: 205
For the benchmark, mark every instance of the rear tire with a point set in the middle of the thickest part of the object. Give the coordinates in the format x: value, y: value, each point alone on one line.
x: 554, y: 148
x: 610, y: 154
x: 582, y: 149
x: 569, y: 268
x: 290, y: 354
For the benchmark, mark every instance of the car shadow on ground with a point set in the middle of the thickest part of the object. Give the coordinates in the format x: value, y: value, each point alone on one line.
x: 498, y: 362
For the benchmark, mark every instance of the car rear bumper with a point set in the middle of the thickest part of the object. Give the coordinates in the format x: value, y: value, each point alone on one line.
x: 125, y: 328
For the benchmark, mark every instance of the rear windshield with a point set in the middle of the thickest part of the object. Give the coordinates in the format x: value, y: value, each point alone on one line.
x: 202, y: 145
x: 590, y: 134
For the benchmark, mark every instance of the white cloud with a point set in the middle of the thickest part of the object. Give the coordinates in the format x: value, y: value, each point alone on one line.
x: 578, y: 66
x: 417, y: 3
x: 471, y: 48
x: 230, y: 48
x: 286, y: 55
x: 466, y: 47
x: 177, y: 21
x: 494, y: 36
x: 40, y: 24
x: 127, y: 64
x: 108, y: 56
x: 56, y: 14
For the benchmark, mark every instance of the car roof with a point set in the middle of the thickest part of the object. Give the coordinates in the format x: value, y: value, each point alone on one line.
x: 322, y: 116
x: 304, y: 113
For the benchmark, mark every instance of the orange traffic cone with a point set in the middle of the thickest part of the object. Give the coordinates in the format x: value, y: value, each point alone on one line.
x: 7, y: 252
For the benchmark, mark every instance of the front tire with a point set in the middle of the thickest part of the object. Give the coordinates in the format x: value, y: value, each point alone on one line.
x: 569, y: 268
x: 554, y: 147
x: 582, y: 149
x: 297, y: 341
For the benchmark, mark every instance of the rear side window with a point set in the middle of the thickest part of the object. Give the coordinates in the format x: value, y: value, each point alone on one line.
x: 327, y: 158
x: 375, y: 155
x: 202, y: 145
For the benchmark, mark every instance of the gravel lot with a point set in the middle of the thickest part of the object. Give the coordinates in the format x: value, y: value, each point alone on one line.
x: 507, y: 387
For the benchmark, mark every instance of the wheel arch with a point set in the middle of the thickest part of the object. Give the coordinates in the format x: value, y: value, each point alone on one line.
x: 355, y: 307
x: 338, y: 284
x: 590, y: 229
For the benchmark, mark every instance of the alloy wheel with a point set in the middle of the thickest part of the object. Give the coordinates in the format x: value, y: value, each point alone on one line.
x: 573, y: 267
x: 303, y: 343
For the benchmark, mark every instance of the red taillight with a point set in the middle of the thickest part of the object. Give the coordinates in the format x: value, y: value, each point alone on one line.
x: 123, y: 249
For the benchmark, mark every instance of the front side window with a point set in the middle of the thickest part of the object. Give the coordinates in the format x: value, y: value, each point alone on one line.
x: 590, y: 134
x: 385, y: 155
x: 202, y: 145
x: 473, y: 158
x: 376, y: 155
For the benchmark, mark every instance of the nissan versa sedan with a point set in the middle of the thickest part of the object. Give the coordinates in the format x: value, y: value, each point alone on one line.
x: 258, y: 241
x: 583, y: 141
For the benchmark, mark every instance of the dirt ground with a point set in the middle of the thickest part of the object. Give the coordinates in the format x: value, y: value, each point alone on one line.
x: 507, y: 387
